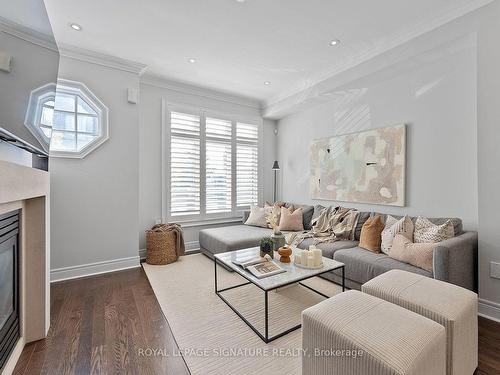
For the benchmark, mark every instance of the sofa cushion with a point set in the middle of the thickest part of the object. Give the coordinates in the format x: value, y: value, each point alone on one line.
x: 457, y: 223
x: 371, y: 234
x: 328, y: 248
x: 257, y: 217
x: 394, y: 226
x: 363, y: 216
x: 307, y: 213
x: 234, y: 237
x: 362, y: 265
x: 317, y: 211
x: 291, y: 220
x: 426, y: 231
x: 416, y: 254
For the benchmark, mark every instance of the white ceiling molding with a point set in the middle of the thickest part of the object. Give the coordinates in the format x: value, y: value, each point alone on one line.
x: 392, y: 42
x: 102, y: 59
x: 433, y: 46
x: 206, y: 93
x: 27, y: 34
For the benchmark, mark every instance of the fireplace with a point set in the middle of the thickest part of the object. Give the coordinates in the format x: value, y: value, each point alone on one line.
x: 9, y: 284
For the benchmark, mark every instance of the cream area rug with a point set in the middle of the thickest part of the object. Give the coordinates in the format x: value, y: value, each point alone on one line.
x: 211, y: 337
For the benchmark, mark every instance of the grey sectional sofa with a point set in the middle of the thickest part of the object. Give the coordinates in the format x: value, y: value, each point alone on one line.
x: 455, y: 260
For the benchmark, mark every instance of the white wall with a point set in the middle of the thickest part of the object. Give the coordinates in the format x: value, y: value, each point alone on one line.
x: 94, y: 201
x: 152, y: 92
x: 32, y: 66
x: 436, y: 98
x: 489, y: 156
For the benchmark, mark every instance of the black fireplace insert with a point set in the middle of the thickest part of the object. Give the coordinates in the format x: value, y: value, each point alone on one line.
x: 9, y: 284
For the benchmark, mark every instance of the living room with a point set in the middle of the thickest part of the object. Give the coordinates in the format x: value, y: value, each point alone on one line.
x: 245, y: 186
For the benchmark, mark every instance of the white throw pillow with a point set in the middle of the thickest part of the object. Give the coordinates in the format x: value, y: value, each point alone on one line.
x: 257, y: 217
x: 426, y: 231
x: 393, y: 226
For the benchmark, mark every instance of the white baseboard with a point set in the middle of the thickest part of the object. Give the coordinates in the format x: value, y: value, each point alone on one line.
x: 74, y: 272
x: 10, y: 365
x: 489, y: 310
x: 190, y: 247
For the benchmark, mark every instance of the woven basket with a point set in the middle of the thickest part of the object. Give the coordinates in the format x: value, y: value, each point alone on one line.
x: 160, y: 245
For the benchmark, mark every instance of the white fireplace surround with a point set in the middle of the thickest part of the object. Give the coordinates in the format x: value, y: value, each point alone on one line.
x: 27, y: 189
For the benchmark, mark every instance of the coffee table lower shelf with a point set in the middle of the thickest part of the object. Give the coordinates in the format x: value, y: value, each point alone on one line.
x: 265, y: 337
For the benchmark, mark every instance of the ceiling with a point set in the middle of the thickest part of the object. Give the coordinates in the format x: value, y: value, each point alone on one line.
x: 29, y: 13
x: 240, y: 45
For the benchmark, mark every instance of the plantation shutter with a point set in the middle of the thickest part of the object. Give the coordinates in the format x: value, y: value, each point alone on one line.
x: 247, y: 165
x: 184, y: 164
x: 218, y: 135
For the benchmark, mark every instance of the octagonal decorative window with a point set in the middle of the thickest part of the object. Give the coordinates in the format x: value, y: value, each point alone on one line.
x: 70, y: 121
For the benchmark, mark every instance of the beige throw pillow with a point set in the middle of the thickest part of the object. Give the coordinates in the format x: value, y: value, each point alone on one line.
x: 291, y: 220
x: 417, y: 254
x: 394, y: 226
x: 425, y: 231
x: 257, y: 217
x: 273, y: 214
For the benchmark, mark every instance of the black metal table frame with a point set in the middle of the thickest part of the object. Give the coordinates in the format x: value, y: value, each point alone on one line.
x: 266, y: 337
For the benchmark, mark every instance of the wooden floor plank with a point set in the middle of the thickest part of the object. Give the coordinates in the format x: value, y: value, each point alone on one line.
x: 99, y: 324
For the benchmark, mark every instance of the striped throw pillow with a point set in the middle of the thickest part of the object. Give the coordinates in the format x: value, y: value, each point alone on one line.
x: 393, y: 226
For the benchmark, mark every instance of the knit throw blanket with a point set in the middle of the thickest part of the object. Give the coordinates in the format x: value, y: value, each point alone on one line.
x: 179, y: 235
x: 333, y: 224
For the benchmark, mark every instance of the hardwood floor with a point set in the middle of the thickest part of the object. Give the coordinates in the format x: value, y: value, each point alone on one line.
x: 105, y: 324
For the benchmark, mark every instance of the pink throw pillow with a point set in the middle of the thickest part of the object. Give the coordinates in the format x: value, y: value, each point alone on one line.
x: 417, y: 254
x: 291, y: 220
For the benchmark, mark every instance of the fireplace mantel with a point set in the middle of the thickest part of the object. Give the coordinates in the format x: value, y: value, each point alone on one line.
x: 27, y: 189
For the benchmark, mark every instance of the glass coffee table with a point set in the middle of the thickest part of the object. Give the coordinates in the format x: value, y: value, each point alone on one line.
x: 293, y: 274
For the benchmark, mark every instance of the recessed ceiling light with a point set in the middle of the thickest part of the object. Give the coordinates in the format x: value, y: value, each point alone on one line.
x: 267, y: 83
x: 191, y: 60
x: 240, y: 1
x: 335, y: 42
x: 75, y: 26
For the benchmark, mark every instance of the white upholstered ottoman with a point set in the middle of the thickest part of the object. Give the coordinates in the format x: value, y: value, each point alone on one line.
x: 449, y: 305
x: 354, y: 333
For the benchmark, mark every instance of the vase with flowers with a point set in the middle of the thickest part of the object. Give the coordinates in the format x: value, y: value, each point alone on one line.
x: 277, y: 237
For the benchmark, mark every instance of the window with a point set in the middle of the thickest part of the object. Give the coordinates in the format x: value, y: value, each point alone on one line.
x: 68, y: 119
x: 247, y: 164
x: 214, y: 166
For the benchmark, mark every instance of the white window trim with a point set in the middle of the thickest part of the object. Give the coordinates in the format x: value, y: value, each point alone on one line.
x: 49, y: 91
x: 37, y: 96
x: 73, y: 87
x: 203, y: 218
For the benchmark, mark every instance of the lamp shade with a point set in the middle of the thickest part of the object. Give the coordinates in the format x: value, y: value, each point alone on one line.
x: 276, y: 166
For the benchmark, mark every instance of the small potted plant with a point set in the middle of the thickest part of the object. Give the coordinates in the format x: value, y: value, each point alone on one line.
x: 266, y: 247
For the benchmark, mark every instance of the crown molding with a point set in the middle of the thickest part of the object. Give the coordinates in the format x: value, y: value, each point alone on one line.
x: 184, y: 88
x: 102, y: 59
x: 27, y: 34
x: 392, y: 42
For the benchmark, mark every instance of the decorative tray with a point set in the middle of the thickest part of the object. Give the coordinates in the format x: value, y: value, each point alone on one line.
x: 309, y: 268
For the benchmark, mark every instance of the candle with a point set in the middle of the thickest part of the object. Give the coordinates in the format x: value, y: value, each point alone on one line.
x: 317, y: 257
x: 296, y: 258
x: 303, y: 257
x: 310, y: 261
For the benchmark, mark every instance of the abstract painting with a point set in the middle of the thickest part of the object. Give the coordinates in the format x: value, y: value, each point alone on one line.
x: 365, y: 167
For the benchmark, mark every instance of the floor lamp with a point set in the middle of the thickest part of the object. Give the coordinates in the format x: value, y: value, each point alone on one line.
x: 276, y: 168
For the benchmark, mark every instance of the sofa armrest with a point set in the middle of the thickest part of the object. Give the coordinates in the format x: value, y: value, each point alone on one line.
x: 246, y: 214
x: 455, y: 260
